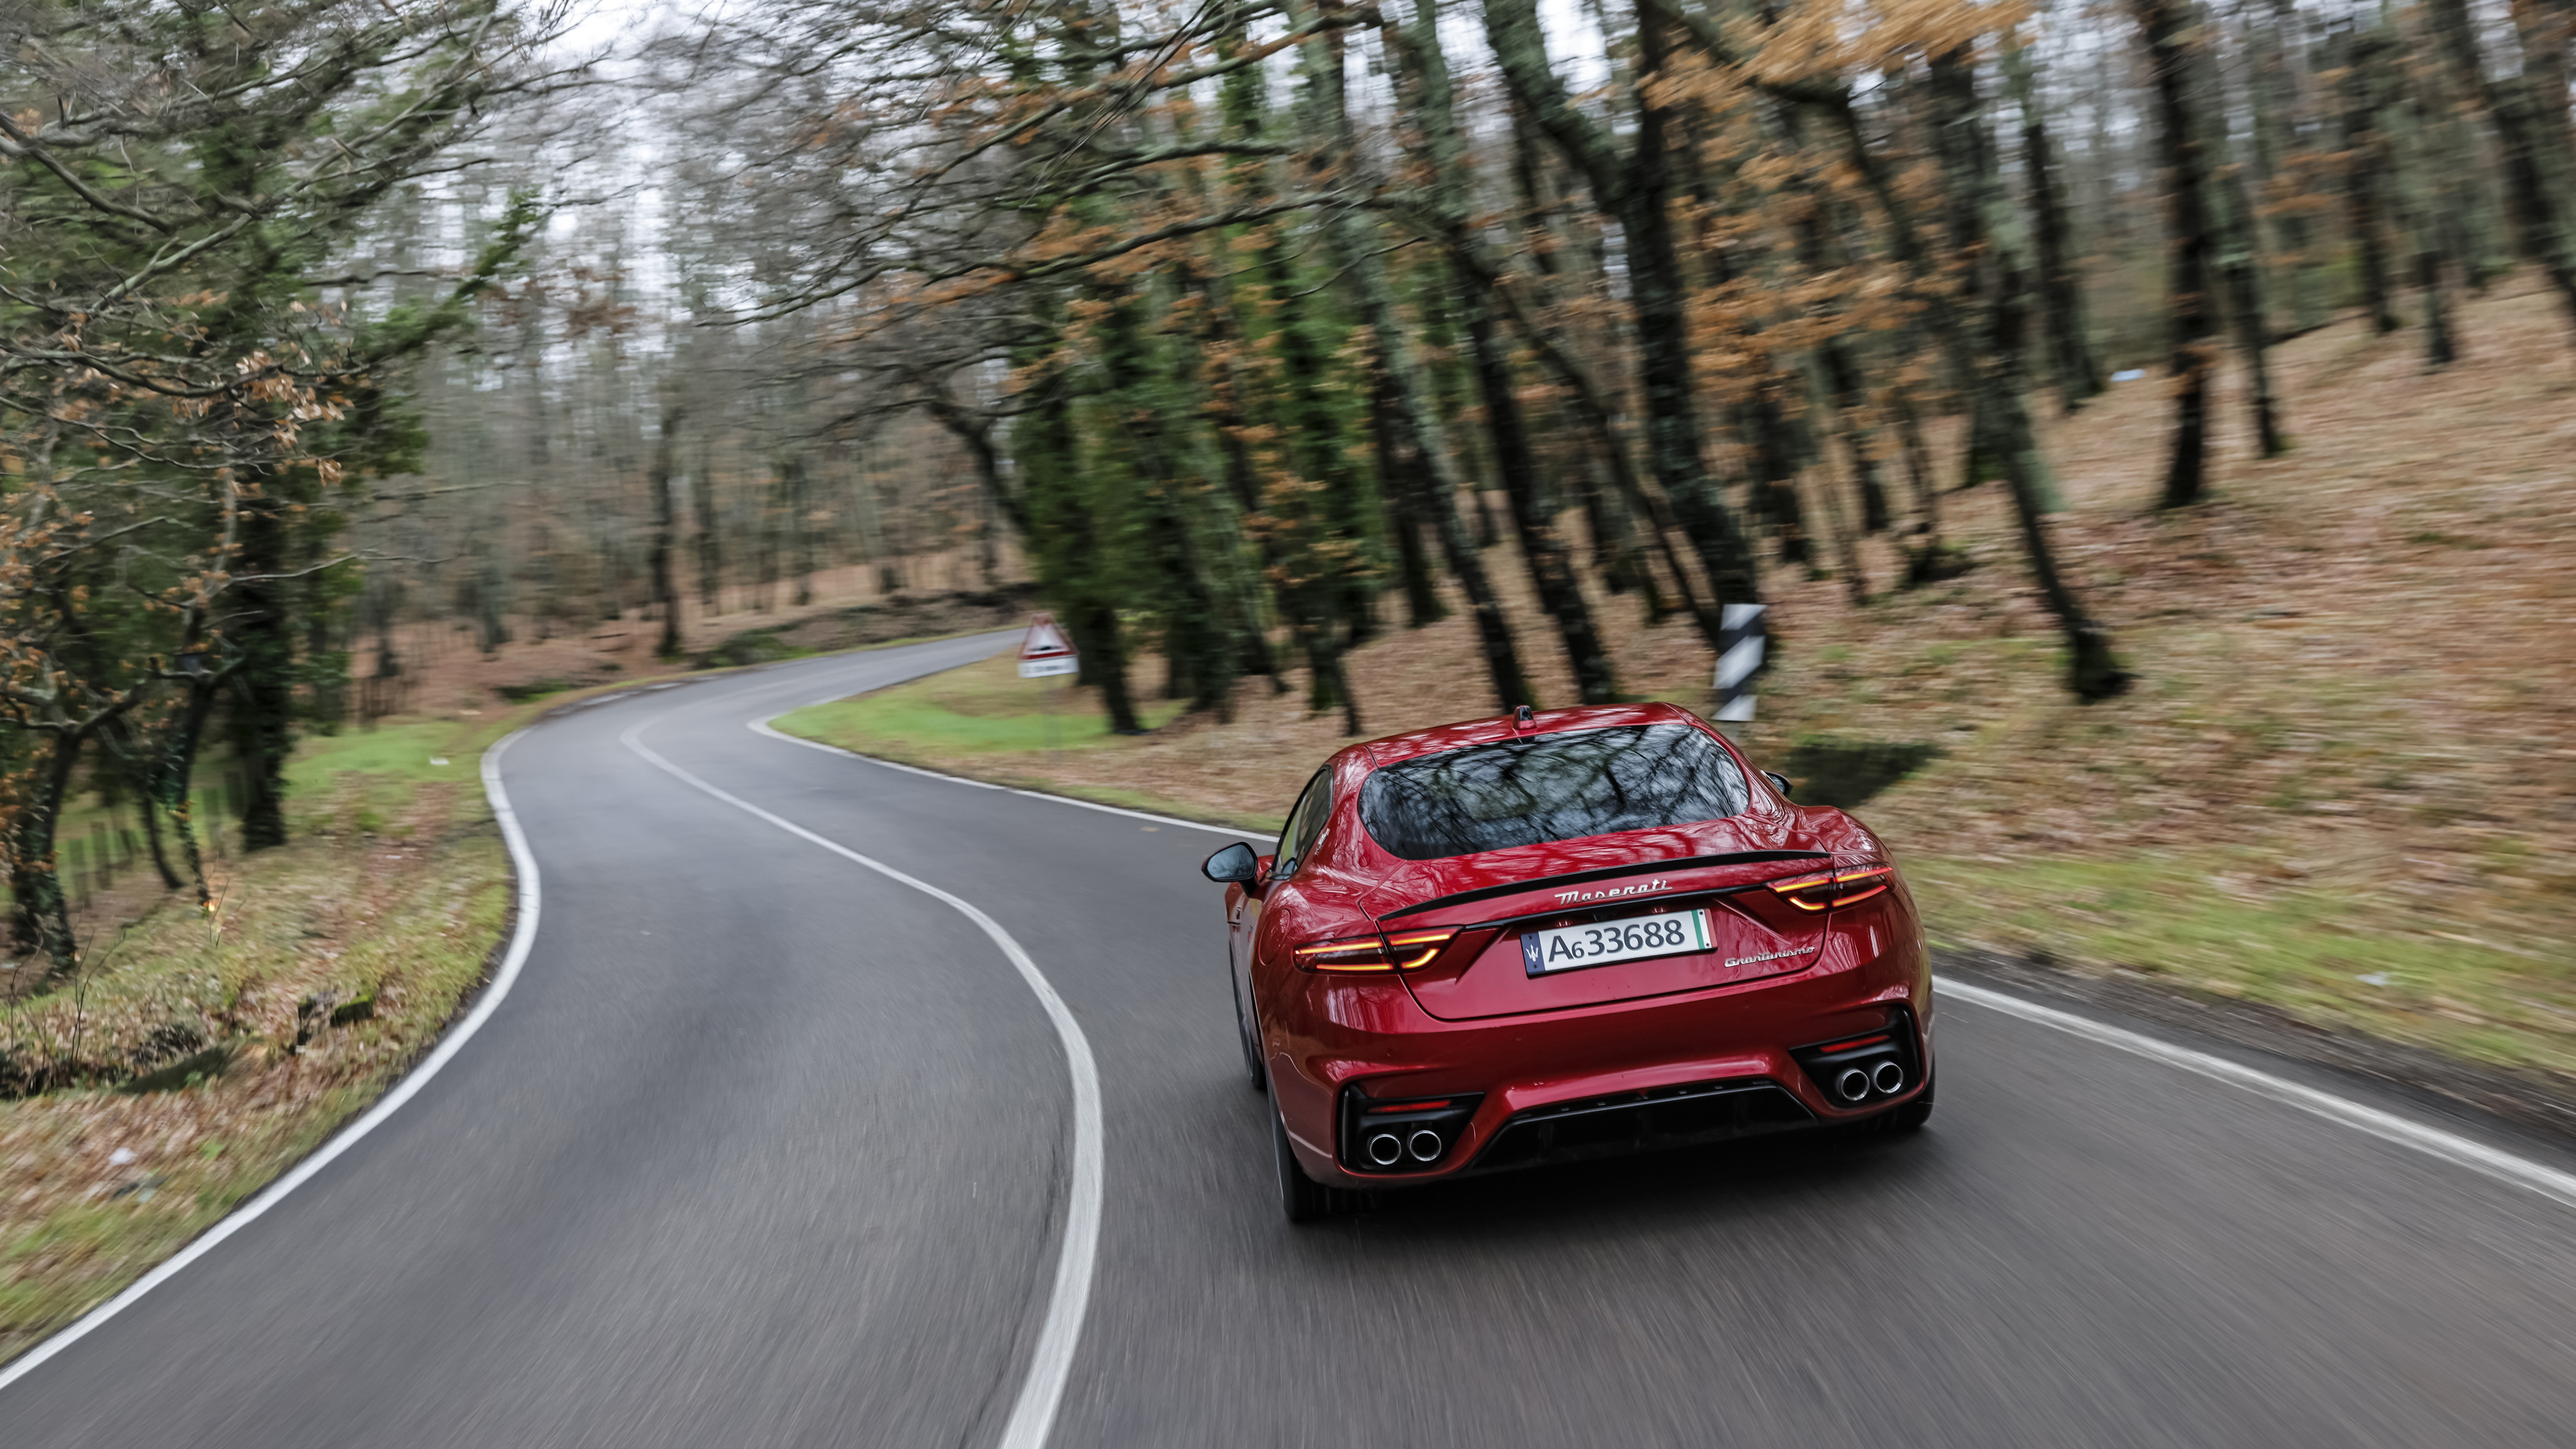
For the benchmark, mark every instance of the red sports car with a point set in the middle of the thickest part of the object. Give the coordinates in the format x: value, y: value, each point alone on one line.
x: 1542, y: 938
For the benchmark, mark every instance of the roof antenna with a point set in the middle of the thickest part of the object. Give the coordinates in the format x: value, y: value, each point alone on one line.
x: 1521, y: 718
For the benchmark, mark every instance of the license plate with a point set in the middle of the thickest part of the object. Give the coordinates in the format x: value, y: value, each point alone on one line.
x: 1634, y: 939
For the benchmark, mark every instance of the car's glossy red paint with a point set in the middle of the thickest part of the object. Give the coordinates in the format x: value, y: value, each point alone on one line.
x: 1779, y: 978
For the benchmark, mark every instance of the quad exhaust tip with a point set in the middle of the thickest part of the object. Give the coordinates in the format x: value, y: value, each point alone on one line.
x: 1386, y: 1150
x: 1889, y: 1077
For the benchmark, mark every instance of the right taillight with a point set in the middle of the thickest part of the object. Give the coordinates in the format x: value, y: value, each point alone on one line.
x: 1830, y: 888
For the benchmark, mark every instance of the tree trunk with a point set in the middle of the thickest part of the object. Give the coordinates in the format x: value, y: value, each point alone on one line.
x: 2240, y: 263
x: 2530, y: 111
x: 2072, y: 358
x: 135, y: 768
x: 1400, y: 475
x: 40, y: 914
x: 800, y: 526
x: 1982, y: 234
x: 2170, y: 28
x: 2368, y: 164
x: 1636, y: 189
x: 1550, y: 560
x: 1065, y: 539
x: 1929, y: 560
x: 264, y: 678
x: 1195, y: 648
x: 2432, y: 231
x: 2468, y: 204
x: 1094, y: 626
x: 1543, y: 548
x: 174, y: 768
x: 2536, y: 104
x: 1221, y: 342
x: 2276, y: 92
x: 2242, y: 268
x: 666, y: 596
x: 702, y: 500
x: 1608, y: 448
x: 1415, y: 420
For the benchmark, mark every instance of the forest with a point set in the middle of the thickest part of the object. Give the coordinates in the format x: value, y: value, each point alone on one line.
x: 334, y: 334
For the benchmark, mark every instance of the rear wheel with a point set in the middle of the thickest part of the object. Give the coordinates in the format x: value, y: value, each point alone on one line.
x: 1301, y: 1198
x: 1252, y: 1067
x: 1912, y: 1115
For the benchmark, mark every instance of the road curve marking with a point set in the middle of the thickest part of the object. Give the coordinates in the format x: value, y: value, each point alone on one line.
x: 2433, y: 1142
x: 522, y: 936
x: 1051, y: 1362
x: 761, y: 726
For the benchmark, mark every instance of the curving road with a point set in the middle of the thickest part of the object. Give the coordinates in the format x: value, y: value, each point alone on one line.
x: 766, y: 1147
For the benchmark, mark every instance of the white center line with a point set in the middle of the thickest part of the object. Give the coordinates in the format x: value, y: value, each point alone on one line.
x: 1051, y: 1362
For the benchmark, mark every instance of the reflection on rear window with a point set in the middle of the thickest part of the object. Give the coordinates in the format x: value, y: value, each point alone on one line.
x: 1553, y: 787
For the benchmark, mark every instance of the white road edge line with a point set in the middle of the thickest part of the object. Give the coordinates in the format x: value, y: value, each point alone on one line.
x: 761, y: 726
x: 1051, y: 1362
x: 2433, y: 1142
x: 522, y: 937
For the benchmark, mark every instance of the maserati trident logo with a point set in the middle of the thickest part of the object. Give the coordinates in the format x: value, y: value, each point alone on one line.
x: 1567, y: 898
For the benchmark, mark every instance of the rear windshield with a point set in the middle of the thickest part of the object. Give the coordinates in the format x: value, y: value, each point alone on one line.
x: 1553, y: 787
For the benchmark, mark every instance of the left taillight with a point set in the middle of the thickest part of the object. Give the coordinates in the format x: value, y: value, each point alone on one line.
x: 1397, y: 951
x: 1838, y: 887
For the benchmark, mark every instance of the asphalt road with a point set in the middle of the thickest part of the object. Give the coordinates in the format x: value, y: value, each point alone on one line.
x: 765, y: 1148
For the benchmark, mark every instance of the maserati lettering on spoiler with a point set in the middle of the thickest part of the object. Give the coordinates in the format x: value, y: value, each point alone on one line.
x: 1567, y: 898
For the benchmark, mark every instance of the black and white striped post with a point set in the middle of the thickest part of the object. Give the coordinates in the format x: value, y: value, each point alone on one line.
x: 1739, y: 658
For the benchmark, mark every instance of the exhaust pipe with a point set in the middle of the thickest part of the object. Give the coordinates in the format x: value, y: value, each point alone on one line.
x: 1384, y: 1150
x: 1853, y: 1084
x: 1889, y: 1077
x: 1424, y: 1145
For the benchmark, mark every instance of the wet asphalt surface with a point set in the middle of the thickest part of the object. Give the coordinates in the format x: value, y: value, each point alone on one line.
x: 765, y: 1149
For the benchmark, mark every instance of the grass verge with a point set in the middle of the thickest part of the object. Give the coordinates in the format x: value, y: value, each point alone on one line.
x: 211, y: 1050
x: 2235, y: 923
x: 984, y: 721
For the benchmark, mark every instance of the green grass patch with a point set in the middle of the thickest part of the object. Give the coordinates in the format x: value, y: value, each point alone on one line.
x: 2217, y: 922
x: 983, y: 709
x: 362, y: 778
x: 984, y: 721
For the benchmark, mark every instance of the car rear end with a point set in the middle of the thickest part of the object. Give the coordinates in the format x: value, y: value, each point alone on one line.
x: 1756, y: 970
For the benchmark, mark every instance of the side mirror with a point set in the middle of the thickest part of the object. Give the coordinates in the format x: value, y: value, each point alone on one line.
x: 1779, y: 781
x: 1234, y: 865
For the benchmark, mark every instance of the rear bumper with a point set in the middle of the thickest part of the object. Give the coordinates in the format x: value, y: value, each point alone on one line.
x: 1602, y: 1080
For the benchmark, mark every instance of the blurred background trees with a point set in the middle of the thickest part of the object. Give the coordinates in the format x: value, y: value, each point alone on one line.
x: 1249, y: 332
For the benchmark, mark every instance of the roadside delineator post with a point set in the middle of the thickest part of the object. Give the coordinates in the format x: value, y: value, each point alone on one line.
x: 1739, y: 657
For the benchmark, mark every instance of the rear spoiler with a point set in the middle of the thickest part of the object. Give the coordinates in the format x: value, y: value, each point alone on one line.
x: 1609, y: 872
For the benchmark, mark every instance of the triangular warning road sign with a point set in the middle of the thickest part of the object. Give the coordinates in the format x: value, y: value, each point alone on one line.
x: 1045, y: 640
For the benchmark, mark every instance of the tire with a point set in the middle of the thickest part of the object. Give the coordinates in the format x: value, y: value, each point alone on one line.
x: 1914, y: 1114
x: 1301, y: 1198
x: 1252, y: 1065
